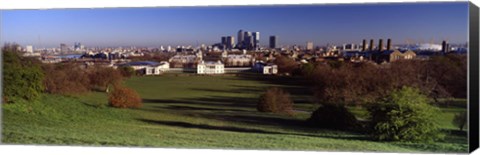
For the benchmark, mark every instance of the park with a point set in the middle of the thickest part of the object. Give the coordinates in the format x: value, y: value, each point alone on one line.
x: 190, y: 111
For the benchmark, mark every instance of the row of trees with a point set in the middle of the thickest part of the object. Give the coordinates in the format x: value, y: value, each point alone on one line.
x: 27, y: 78
x: 396, y: 95
x: 362, y: 83
x: 337, y: 81
x: 70, y: 79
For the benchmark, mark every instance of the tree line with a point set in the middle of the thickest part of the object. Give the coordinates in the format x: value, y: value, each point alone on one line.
x: 397, y: 95
x: 27, y: 78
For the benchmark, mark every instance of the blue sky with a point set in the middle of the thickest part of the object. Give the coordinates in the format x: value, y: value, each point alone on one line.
x: 322, y: 24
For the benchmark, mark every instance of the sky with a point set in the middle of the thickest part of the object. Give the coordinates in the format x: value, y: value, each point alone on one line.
x: 293, y: 25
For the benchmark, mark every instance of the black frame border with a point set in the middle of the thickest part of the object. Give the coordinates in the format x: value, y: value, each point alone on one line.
x: 473, y: 99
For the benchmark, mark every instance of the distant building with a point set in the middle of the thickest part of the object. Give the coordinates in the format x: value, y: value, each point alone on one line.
x: 29, y: 49
x: 240, y: 38
x: 273, y: 42
x: 230, y: 42
x: 149, y: 67
x: 350, y: 47
x: 210, y: 67
x: 224, y: 41
x: 180, y: 60
x: 264, y: 68
x: 77, y: 46
x: 248, y: 40
x: 395, y: 55
x: 63, y: 48
x: 237, y: 60
x: 310, y: 45
x: 256, y: 40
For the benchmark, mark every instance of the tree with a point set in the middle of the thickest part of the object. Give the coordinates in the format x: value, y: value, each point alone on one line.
x: 307, y: 69
x: 22, y: 77
x: 275, y: 100
x: 404, y: 115
x: 126, y: 71
x: 285, y: 64
x: 123, y: 97
x: 65, y: 79
x: 333, y: 116
x: 103, y: 77
x: 460, y: 120
x: 347, y: 84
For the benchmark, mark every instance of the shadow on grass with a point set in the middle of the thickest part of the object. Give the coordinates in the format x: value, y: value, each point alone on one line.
x: 181, y: 107
x: 211, y: 101
x: 238, y: 90
x: 245, y: 130
x: 207, y: 127
x: 258, y: 119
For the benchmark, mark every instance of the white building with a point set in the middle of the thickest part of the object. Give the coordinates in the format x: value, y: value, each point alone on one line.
x: 270, y: 69
x: 29, y: 48
x: 265, y: 68
x: 210, y: 68
x: 237, y: 59
x: 185, y: 58
x: 309, y: 45
x: 149, y: 67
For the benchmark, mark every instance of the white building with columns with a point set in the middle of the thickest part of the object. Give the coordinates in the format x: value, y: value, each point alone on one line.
x: 210, y: 67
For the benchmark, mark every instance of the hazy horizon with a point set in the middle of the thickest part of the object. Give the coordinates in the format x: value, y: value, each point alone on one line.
x: 293, y: 24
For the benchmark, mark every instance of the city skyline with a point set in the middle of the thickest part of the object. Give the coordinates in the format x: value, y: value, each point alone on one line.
x: 295, y: 25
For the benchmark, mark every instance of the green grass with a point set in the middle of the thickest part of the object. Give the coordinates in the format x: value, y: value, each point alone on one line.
x: 196, y: 112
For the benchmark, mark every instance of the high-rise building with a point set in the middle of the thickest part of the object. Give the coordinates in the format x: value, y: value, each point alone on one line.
x: 309, y: 45
x: 256, y: 40
x: 63, y: 48
x: 240, y: 38
x: 444, y: 47
x: 29, y: 48
x: 273, y: 41
x: 248, y: 40
x: 77, y: 46
x: 224, y: 41
x: 230, y: 42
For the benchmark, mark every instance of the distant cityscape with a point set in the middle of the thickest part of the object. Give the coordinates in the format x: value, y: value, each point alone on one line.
x: 244, y: 50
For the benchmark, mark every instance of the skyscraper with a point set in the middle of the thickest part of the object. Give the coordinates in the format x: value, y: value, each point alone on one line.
x: 444, y: 47
x: 224, y: 40
x: 230, y: 42
x: 256, y: 40
x: 240, y: 38
x: 273, y: 41
x: 309, y: 45
x: 248, y: 40
x: 63, y: 48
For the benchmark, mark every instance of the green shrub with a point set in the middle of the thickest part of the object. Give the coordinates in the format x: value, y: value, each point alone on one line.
x: 275, y: 100
x: 126, y: 71
x: 405, y: 115
x: 22, y: 77
x: 333, y: 116
x: 460, y: 120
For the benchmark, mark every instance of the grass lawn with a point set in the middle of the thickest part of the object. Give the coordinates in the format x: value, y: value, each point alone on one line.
x: 196, y: 112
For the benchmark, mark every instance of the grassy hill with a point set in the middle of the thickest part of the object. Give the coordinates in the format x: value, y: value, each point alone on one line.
x: 196, y: 112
